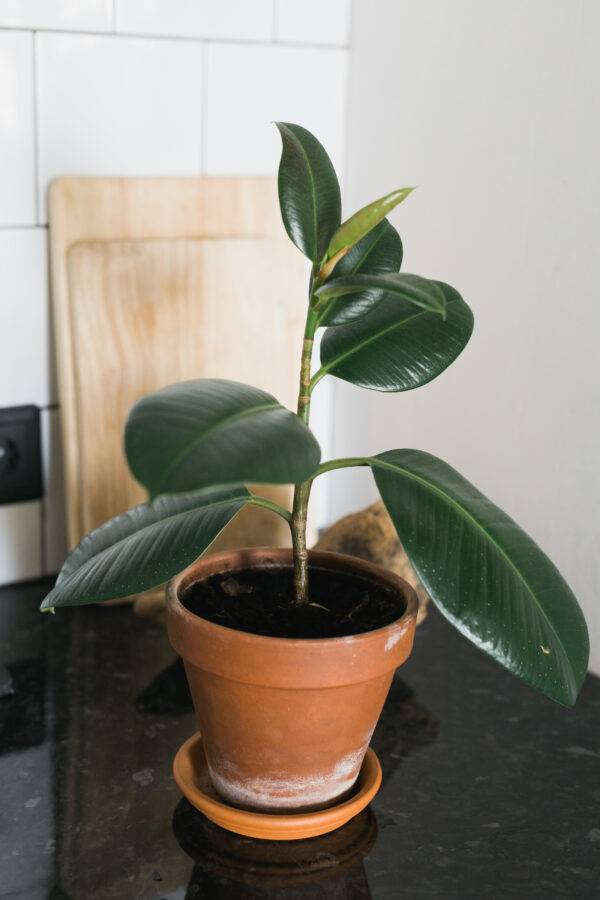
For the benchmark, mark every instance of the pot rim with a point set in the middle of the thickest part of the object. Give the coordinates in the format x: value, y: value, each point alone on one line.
x: 185, y: 578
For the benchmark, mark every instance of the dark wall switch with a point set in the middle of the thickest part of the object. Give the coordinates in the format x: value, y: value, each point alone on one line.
x: 20, y: 454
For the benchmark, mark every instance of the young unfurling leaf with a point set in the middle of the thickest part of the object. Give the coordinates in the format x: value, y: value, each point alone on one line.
x: 355, y: 228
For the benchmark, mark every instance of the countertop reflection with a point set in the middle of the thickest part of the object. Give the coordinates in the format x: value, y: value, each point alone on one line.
x: 489, y: 790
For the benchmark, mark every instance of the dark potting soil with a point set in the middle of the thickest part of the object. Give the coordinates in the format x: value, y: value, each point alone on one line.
x: 259, y: 602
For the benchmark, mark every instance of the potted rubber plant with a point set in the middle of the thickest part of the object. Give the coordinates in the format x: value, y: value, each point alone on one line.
x: 290, y: 653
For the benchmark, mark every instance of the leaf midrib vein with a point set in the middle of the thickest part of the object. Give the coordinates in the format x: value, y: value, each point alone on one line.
x: 452, y: 502
x: 374, y: 337
x: 314, y: 195
x: 242, y: 499
x: 221, y: 423
x: 388, y: 286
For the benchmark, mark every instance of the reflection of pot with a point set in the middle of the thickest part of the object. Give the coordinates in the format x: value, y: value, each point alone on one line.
x: 286, y: 723
x: 224, y: 860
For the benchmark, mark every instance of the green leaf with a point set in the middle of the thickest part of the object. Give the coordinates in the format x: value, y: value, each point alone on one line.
x: 144, y: 546
x: 309, y: 193
x: 397, y: 347
x: 358, y: 225
x: 211, y: 431
x: 484, y: 573
x: 418, y: 291
x: 379, y: 252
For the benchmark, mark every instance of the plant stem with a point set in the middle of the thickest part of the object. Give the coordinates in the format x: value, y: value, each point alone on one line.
x: 300, y: 553
x: 302, y: 491
x: 305, y: 364
x: 298, y: 519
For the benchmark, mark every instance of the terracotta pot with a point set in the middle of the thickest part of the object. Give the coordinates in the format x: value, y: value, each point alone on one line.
x: 286, y: 723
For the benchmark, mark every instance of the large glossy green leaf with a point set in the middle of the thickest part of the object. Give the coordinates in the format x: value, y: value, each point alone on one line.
x: 211, y: 431
x: 419, y: 291
x: 309, y: 192
x: 378, y: 253
x: 144, y: 546
x: 484, y: 573
x: 358, y: 225
x: 397, y: 346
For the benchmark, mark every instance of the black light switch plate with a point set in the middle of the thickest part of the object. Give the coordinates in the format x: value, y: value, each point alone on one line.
x: 20, y: 454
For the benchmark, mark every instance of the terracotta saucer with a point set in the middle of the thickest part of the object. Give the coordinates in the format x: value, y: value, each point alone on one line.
x: 191, y: 774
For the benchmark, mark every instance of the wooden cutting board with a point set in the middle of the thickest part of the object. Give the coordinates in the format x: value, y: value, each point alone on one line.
x: 157, y: 280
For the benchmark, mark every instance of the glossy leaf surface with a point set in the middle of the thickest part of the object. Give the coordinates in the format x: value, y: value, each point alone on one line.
x: 418, y: 291
x: 357, y: 226
x: 144, y: 546
x: 397, y: 346
x: 484, y: 573
x: 309, y: 192
x: 211, y: 431
x: 378, y: 253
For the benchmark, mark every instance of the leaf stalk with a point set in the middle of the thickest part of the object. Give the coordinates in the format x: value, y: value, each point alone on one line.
x: 270, y: 505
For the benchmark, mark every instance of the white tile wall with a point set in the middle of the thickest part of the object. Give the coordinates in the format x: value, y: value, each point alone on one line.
x: 313, y: 21
x: 66, y: 15
x: 133, y: 109
x: 272, y: 83
x: 233, y: 19
x: 135, y: 87
x: 24, y: 331
x: 17, y: 185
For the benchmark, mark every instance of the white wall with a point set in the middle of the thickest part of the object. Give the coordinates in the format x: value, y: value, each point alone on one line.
x: 134, y: 87
x: 492, y: 108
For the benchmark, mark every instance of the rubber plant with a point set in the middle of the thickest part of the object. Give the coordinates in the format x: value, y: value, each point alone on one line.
x: 195, y: 446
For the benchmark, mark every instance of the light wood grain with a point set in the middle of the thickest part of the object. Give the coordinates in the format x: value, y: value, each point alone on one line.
x: 155, y: 281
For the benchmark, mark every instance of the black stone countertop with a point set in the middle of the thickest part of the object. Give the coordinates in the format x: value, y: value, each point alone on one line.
x: 489, y: 789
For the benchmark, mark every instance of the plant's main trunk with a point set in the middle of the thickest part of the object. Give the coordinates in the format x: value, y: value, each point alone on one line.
x: 302, y: 491
x: 298, y: 528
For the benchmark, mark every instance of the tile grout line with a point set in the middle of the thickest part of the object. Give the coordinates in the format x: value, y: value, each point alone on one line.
x: 36, y: 162
x: 179, y: 38
x: 204, y: 110
x: 349, y: 27
x: 31, y: 227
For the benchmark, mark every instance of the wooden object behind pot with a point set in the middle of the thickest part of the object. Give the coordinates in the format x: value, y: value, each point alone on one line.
x: 157, y: 280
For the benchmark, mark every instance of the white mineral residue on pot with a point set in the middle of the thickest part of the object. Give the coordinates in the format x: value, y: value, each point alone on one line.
x: 392, y: 640
x: 395, y: 637
x: 283, y: 792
